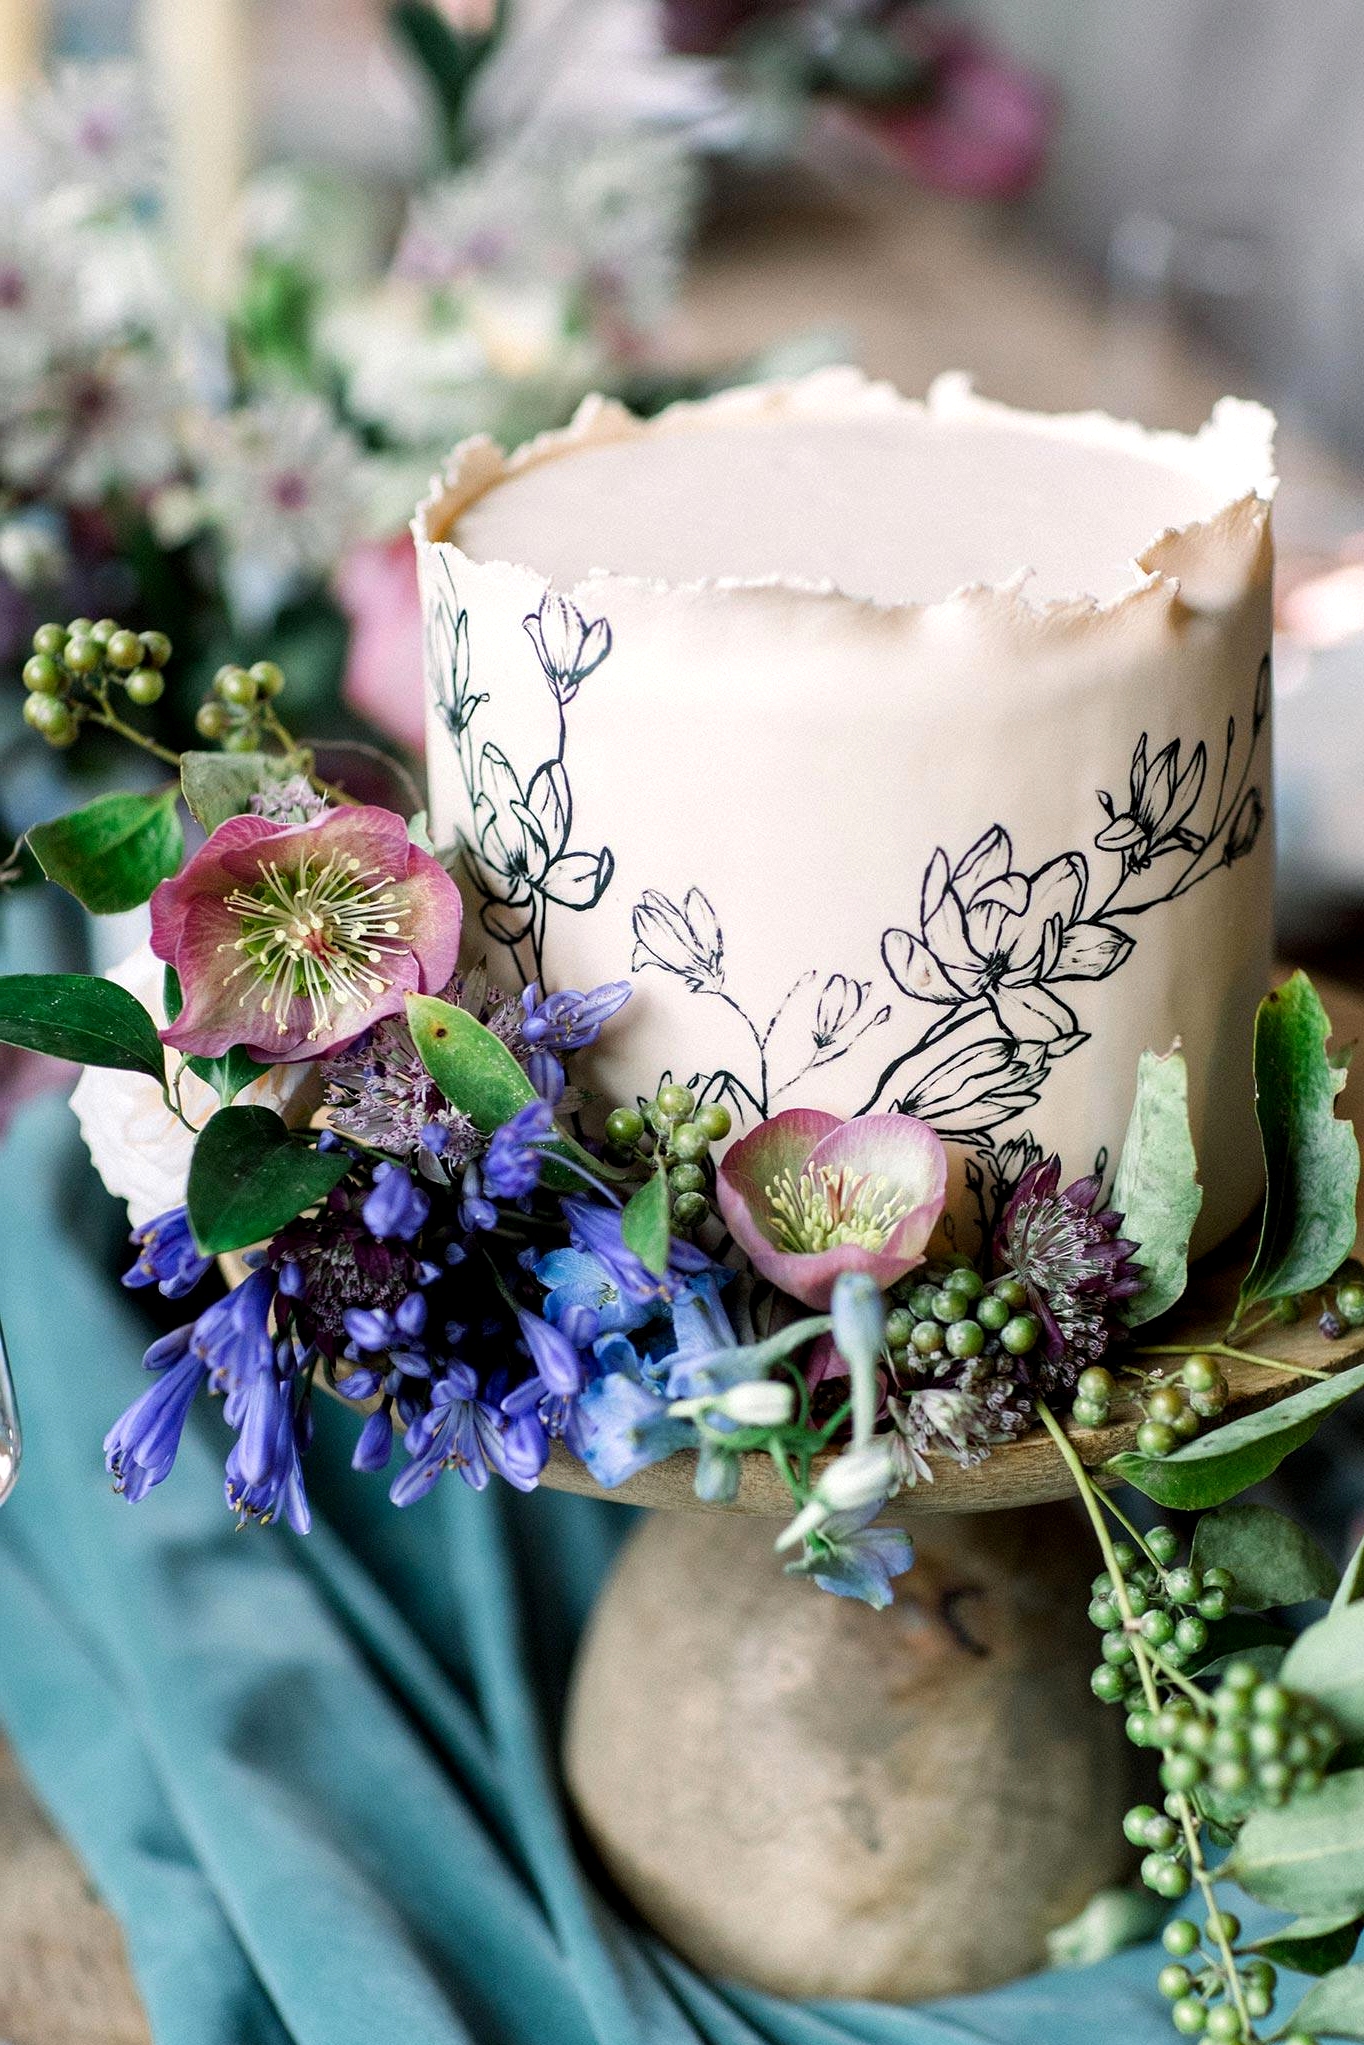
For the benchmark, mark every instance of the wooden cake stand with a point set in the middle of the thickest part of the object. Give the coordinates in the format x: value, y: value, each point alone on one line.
x: 823, y: 1800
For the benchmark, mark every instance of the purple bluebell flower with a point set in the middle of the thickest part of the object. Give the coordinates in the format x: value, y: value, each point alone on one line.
x: 374, y: 1329
x: 578, y: 1282
x: 569, y: 1021
x: 375, y: 1445
x: 547, y: 1076
x: 464, y: 1431
x: 141, y: 1446
x: 233, y: 1335
x: 475, y: 1212
x: 397, y: 1207
x: 853, y: 1559
x: 515, y: 1158
x: 554, y: 1356
x: 623, y: 1426
x: 597, y: 1230
x: 264, y: 1476
x: 168, y: 1256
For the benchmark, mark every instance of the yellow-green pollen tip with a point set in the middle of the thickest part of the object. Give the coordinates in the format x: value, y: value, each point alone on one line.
x: 320, y: 933
x: 824, y: 1209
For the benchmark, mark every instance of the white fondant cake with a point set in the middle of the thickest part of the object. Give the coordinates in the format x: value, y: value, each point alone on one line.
x: 907, y: 756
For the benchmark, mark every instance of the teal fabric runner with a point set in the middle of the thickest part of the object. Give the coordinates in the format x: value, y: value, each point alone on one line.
x: 316, y: 1779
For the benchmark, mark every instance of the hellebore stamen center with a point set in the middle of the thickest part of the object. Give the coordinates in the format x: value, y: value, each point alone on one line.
x: 825, y: 1209
x: 320, y: 933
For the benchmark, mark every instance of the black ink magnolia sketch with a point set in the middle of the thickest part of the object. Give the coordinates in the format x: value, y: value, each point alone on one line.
x: 999, y: 952
x: 519, y: 855
x: 813, y: 1023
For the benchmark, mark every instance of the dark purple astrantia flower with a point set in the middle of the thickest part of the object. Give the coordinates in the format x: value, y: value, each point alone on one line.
x: 1068, y: 1252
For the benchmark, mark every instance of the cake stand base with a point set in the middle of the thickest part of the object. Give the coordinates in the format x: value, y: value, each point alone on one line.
x: 825, y: 1801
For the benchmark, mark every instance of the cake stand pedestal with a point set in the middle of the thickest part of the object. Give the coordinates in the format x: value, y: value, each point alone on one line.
x: 826, y: 1801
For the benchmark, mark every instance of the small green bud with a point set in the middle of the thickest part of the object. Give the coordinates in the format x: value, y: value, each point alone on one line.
x: 240, y: 740
x: 1173, y: 1881
x: 624, y: 1126
x: 1157, y: 1627
x: 51, y: 640
x: 124, y: 650
x: 1161, y: 1832
x: 899, y: 1328
x: 79, y: 628
x: 1154, y: 1438
x: 82, y: 655
x: 1180, y: 1935
x: 1086, y: 1414
x: 1020, y: 1334
x: 267, y: 676
x: 1139, y: 1728
x: 1097, y: 1384
x: 42, y: 675
x: 687, y: 1179
x: 1224, y: 1924
x: 1180, y: 1773
x: 102, y: 632
x: 927, y: 1337
x: 145, y: 686
x: 1189, y: 2016
x: 965, y: 1338
x: 1135, y: 1823
x: 1350, y: 1305
x: 1213, y: 1604
x: 51, y: 717
x: 234, y: 685
x: 1191, y: 1635
x: 1163, y: 1543
x: 675, y: 1102
x: 1229, y: 1777
x: 1165, y: 1402
x: 1224, y: 2024
x: 715, y: 1119
x: 1183, y: 1585
x: 993, y: 1312
x: 1216, y: 1579
x: 1108, y: 1684
x: 211, y: 721
x: 1173, y: 1981
x: 690, y: 1143
x: 1271, y: 1700
x: 1208, y: 1404
x: 1185, y: 1423
x: 156, y: 648
x: 690, y: 1209
x: 966, y: 1280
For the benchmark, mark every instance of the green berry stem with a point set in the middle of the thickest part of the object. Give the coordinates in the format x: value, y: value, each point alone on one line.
x: 109, y: 718
x: 1184, y: 1813
x: 1300, y: 1370
x: 1110, y: 1505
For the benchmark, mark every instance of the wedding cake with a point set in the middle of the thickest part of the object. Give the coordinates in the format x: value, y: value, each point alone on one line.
x: 907, y: 756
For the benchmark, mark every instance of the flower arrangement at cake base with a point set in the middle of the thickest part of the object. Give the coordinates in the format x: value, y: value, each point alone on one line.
x: 439, y: 1224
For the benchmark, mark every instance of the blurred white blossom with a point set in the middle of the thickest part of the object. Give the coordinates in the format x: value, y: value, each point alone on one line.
x: 282, y: 482
x: 99, y: 141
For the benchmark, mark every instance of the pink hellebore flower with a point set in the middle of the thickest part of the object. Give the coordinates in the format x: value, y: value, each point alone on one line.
x: 984, y: 128
x: 290, y: 939
x: 806, y: 1196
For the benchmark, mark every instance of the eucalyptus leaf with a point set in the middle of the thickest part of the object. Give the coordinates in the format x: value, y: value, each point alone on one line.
x: 1351, y: 1586
x: 1306, y: 1856
x: 227, y: 1074
x: 1113, y: 1919
x: 1333, y: 2009
x: 250, y: 1174
x: 1156, y: 1189
x: 1311, y: 1157
x: 113, y: 853
x: 83, y: 1018
x: 220, y: 785
x: 1219, y: 1465
x: 645, y: 1224
x: 1327, y: 1661
x: 695, y: 1376
x: 1274, y: 1560
x: 1312, y: 1945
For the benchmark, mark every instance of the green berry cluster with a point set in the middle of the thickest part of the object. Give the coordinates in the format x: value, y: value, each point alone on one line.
x: 238, y: 715
x: 1194, y: 1981
x: 1172, y: 1606
x: 673, y: 1127
x: 1176, y: 1407
x: 73, y: 668
x: 950, y: 1314
x: 1257, y: 1740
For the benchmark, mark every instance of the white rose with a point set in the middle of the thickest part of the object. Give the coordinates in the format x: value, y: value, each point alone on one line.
x: 136, y: 1144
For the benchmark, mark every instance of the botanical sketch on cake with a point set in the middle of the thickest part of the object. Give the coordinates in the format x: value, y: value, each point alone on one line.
x: 816, y: 1021
x: 520, y: 856
x: 999, y: 958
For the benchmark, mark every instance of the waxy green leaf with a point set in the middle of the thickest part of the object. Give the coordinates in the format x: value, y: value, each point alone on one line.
x: 112, y: 854
x: 83, y: 1018
x: 220, y: 785
x: 1156, y: 1189
x: 1312, y: 1945
x: 1311, y: 1157
x: 228, y: 1074
x: 1333, y: 2009
x: 1328, y: 1662
x: 1274, y: 1560
x: 250, y: 1175
x: 644, y: 1225
x: 1220, y: 1465
x: 1351, y: 1586
x: 1307, y: 1856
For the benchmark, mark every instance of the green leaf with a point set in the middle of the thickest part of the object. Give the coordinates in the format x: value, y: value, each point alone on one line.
x: 1308, y: 1855
x: 111, y: 854
x: 479, y: 1076
x: 1156, y: 1189
x: 1229, y: 1460
x: 1351, y: 1586
x: 1328, y: 1662
x: 83, y: 1018
x: 1274, y: 1560
x: 220, y: 785
x: 1311, y: 1157
x: 451, y: 58
x: 250, y: 1175
x: 1333, y: 2009
x: 1312, y: 1945
x: 228, y: 1074
x: 1113, y: 1919
x: 644, y: 1226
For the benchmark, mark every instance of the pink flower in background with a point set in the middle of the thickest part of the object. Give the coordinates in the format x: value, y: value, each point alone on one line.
x: 469, y: 17
x: 23, y: 1074
x: 983, y: 130
x: 291, y: 939
x: 376, y: 586
x: 807, y: 1196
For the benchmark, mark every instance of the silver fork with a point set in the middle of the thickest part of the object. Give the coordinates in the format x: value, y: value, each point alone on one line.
x: 11, y: 1442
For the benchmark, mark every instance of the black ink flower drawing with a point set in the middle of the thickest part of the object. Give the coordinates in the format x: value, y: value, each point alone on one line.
x: 814, y: 1023
x: 1154, y: 823
x: 520, y: 857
